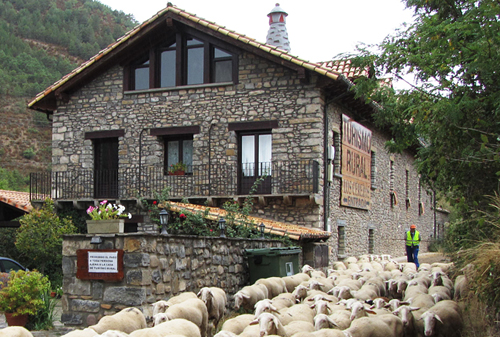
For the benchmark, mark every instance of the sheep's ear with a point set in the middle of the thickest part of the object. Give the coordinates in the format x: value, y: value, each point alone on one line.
x: 414, y: 308
x: 403, y: 303
x: 332, y: 322
x: 255, y: 321
x: 199, y: 293
x: 245, y: 296
x: 370, y: 311
x: 312, y: 306
x: 438, y: 318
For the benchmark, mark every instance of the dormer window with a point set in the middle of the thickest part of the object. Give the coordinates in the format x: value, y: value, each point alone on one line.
x: 185, y: 60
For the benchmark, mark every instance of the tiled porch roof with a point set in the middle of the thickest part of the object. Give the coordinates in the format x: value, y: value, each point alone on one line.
x: 294, y: 232
x: 20, y: 200
x: 321, y: 68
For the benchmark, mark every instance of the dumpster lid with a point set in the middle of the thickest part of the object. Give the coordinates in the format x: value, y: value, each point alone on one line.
x: 273, y: 251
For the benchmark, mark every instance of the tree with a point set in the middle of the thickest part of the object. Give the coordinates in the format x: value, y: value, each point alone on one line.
x: 453, y: 50
x: 40, y: 235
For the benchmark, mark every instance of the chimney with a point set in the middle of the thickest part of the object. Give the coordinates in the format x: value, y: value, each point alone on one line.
x: 277, y: 34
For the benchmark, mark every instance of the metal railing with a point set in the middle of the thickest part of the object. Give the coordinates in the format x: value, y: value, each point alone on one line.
x: 283, y: 177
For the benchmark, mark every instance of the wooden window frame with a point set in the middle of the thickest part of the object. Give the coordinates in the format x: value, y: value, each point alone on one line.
x: 181, y: 71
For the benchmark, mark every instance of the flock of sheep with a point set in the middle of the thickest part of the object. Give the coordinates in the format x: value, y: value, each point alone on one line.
x: 368, y: 296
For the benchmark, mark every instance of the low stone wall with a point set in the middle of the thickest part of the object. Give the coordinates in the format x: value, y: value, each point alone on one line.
x: 155, y: 267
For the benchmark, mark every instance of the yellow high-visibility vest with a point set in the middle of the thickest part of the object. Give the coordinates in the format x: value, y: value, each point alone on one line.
x: 412, y: 242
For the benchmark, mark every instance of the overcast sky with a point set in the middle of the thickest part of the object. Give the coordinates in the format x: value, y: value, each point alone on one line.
x: 318, y: 30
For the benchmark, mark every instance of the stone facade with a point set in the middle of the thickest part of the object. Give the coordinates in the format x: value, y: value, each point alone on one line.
x: 155, y: 267
x: 266, y: 91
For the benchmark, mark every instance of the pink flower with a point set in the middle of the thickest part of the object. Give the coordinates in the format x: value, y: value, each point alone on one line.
x: 104, y: 202
x: 182, y: 216
x: 154, y: 202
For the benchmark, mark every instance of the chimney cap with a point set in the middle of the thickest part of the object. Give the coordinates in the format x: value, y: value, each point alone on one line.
x: 277, y: 9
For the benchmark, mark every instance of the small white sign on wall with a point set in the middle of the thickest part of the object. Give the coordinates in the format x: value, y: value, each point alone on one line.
x: 103, y: 262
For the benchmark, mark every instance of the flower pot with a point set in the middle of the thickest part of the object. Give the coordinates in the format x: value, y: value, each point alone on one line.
x: 19, y: 320
x: 105, y: 226
x: 177, y: 173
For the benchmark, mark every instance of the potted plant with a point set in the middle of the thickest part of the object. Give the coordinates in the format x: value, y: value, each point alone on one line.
x: 22, y: 296
x: 106, y: 218
x: 177, y: 169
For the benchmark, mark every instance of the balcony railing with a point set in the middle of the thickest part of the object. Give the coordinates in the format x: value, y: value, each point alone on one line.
x: 284, y: 177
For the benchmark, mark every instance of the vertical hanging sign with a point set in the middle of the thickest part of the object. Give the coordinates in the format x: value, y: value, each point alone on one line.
x: 356, y: 164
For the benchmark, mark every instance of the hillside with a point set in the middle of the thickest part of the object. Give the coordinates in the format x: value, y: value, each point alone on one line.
x: 41, y: 41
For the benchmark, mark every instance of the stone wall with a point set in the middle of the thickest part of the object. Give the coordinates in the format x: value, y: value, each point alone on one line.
x: 155, y: 267
x: 387, y: 221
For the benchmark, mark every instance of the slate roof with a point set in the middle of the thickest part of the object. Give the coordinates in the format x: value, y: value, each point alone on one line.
x: 324, y: 68
x: 19, y: 200
x: 294, y: 232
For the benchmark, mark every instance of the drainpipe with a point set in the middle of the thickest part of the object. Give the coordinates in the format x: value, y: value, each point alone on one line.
x: 210, y: 157
x: 140, y: 160
x: 326, y: 184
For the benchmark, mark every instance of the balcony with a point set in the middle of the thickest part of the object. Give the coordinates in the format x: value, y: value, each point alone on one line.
x: 283, y: 178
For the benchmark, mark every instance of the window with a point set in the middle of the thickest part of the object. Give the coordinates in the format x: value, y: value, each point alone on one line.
x: 371, y: 241
x: 392, y: 191
x: 179, y: 150
x: 407, y: 187
x: 182, y: 60
x: 178, y: 145
x: 336, y: 145
x: 341, y: 240
x: 255, y: 160
x: 374, y: 171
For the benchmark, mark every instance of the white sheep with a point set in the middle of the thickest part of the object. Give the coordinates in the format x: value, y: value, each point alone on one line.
x: 159, y: 306
x: 369, y: 327
x: 299, y: 326
x: 293, y: 281
x: 269, y: 325
x: 177, y: 326
x: 461, y: 287
x: 223, y: 333
x: 274, y: 285
x: 126, y: 320
x: 443, y: 319
x: 358, y: 310
x: 193, y: 310
x: 265, y: 305
x: 87, y: 332
x: 215, y: 300
x: 114, y: 333
x: 320, y: 333
x: 297, y: 312
x: 323, y: 321
x: 237, y: 324
x: 249, y: 295
x: 405, y: 314
x: 440, y: 293
x: 15, y: 331
x: 284, y: 300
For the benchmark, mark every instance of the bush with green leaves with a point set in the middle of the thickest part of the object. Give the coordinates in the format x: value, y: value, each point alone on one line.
x: 29, y: 153
x: 40, y: 235
x: 23, y: 292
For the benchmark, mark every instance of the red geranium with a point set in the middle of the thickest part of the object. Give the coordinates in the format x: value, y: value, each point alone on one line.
x: 182, y: 216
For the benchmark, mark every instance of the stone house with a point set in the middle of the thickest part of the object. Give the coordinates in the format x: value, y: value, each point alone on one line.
x: 181, y: 89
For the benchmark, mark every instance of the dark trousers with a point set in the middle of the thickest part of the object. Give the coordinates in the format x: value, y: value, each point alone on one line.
x: 412, y: 255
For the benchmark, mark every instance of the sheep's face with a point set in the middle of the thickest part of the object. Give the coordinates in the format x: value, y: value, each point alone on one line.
x: 430, y: 320
x: 321, y: 322
x: 160, y: 318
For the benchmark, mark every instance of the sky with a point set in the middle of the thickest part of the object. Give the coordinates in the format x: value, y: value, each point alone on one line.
x: 318, y: 30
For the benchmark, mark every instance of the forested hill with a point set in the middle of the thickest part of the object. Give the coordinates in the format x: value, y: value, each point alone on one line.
x: 40, y: 42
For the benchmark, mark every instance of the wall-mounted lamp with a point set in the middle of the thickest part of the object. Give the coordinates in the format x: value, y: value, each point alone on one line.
x: 222, y: 227
x: 96, y: 240
x: 163, y: 221
x: 262, y: 227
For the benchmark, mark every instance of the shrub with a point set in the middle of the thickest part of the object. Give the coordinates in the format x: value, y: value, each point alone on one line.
x: 40, y: 235
x: 29, y: 153
x: 23, y: 293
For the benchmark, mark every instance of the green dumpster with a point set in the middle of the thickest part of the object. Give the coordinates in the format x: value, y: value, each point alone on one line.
x: 268, y: 262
